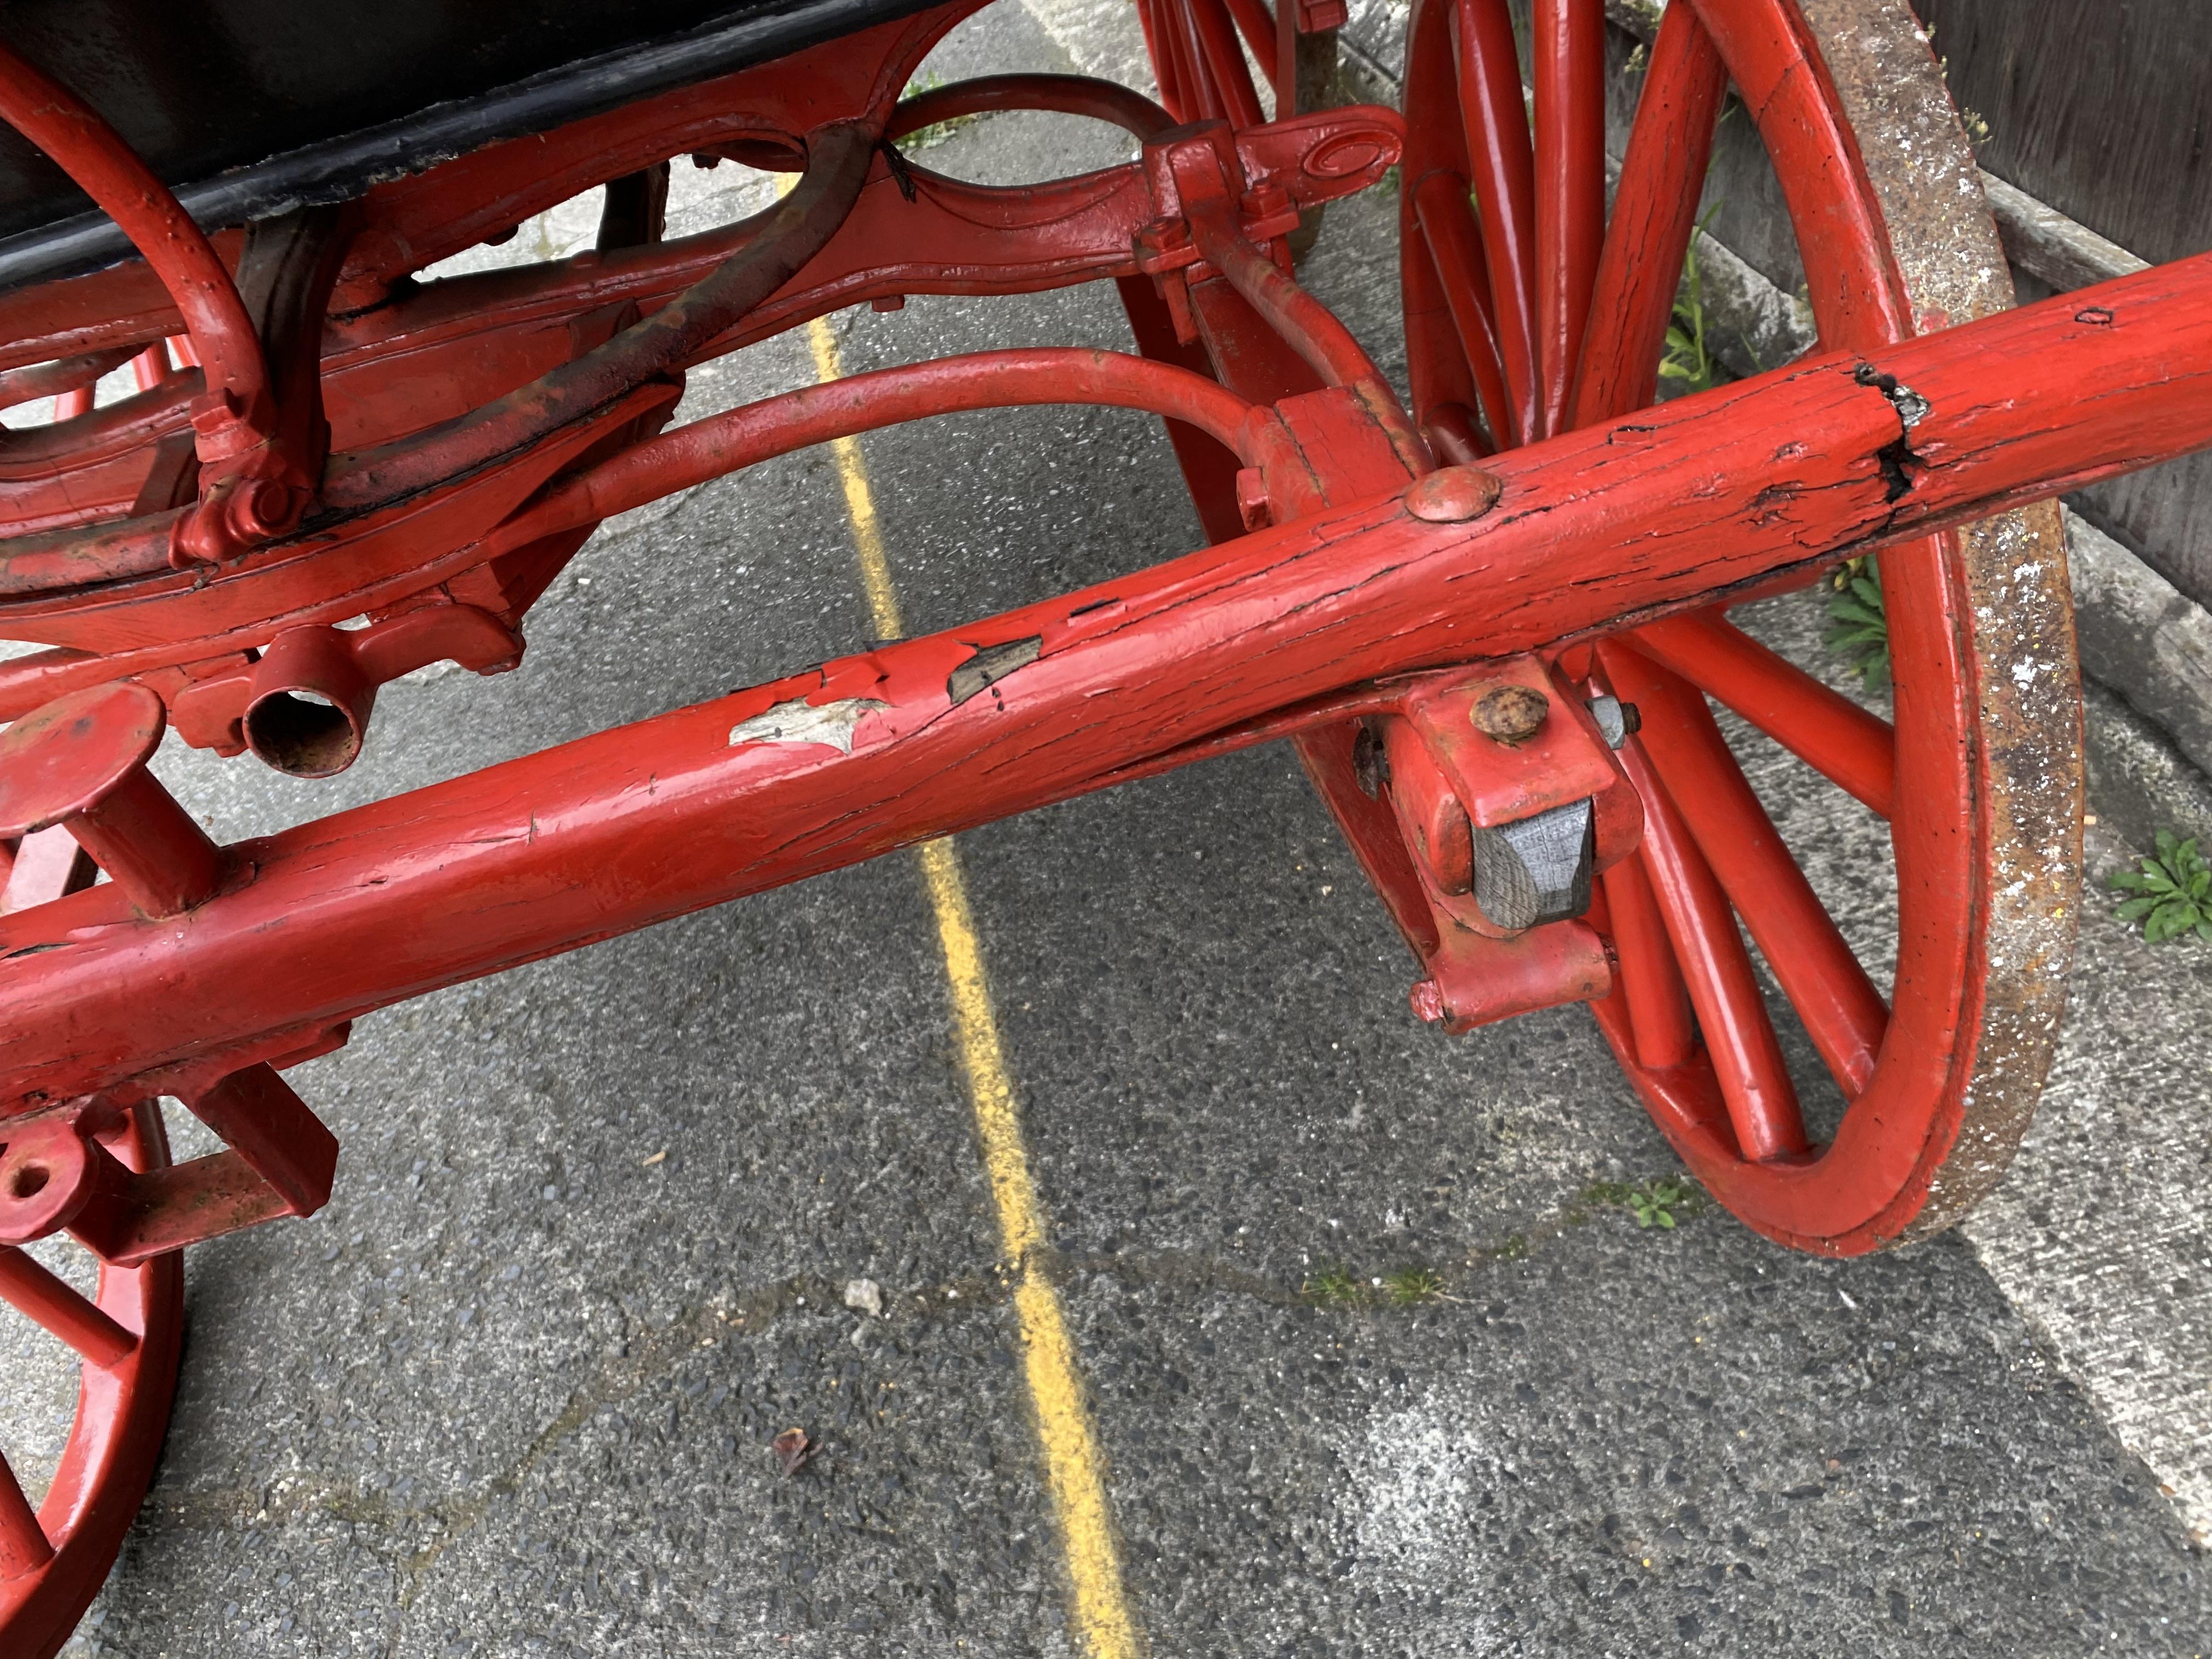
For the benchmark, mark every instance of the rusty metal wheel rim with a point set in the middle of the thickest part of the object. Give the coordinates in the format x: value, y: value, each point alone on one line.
x: 1877, y: 176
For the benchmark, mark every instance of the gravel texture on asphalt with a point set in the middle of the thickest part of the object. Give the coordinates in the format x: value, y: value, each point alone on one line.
x: 512, y: 1392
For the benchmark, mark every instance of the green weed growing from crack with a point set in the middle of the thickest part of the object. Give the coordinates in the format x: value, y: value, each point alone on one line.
x: 1410, y: 1287
x: 1686, y: 361
x: 1653, y: 1203
x: 2173, y: 891
x: 1860, y: 627
x: 1334, y: 1286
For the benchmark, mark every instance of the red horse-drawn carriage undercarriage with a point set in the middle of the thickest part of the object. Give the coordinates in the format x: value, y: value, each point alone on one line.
x: 1489, y: 618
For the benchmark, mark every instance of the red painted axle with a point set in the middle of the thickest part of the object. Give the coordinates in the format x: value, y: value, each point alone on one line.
x: 1674, y: 507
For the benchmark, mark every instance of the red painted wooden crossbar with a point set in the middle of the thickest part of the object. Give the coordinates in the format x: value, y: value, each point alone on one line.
x: 1704, y: 497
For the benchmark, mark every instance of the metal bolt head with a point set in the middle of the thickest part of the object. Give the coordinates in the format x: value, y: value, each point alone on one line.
x: 1453, y: 495
x: 1511, y: 714
x: 1616, y: 721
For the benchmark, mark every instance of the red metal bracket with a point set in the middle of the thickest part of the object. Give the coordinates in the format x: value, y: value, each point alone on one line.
x: 303, y: 704
x: 56, y: 1172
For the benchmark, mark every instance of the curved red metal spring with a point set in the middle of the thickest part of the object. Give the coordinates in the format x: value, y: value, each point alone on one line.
x: 866, y: 403
x: 85, y: 147
x: 1065, y: 94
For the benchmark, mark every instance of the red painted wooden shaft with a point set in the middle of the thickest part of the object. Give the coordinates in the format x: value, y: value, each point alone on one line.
x: 1854, y: 749
x: 1503, y: 172
x: 651, y: 821
x: 61, y: 1310
x: 1723, y: 989
x: 1568, y: 73
x: 110, y: 172
x: 866, y: 403
x: 1655, y: 211
x: 1454, y: 243
x: 1843, y: 1013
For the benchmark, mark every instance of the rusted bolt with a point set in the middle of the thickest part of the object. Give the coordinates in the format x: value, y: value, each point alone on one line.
x: 1453, y: 495
x: 1511, y: 714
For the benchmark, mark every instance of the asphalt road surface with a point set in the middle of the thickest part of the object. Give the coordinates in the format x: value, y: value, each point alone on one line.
x: 597, y: 1220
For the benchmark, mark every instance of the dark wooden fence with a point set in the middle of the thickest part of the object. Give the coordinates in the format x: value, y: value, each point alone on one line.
x: 2103, y: 109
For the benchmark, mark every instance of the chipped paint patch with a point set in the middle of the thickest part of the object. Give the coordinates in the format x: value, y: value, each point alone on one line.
x: 801, y: 721
x: 990, y: 664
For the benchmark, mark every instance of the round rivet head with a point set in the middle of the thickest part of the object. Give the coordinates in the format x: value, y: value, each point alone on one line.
x: 1511, y: 714
x: 1453, y: 495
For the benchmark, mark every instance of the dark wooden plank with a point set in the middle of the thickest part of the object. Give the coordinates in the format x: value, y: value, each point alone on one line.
x: 2102, y: 108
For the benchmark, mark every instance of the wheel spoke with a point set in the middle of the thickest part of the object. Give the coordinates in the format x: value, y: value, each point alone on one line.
x: 1257, y: 25
x: 1651, y: 980
x: 1454, y: 243
x: 1843, y: 1013
x: 23, y: 1544
x: 1435, y: 364
x: 1568, y: 65
x: 1854, y: 749
x: 1191, y: 86
x: 1654, y: 211
x: 1215, y: 37
x: 61, y: 1310
x: 1496, y: 118
x: 1159, y: 49
x: 1452, y: 433
x: 1717, y: 969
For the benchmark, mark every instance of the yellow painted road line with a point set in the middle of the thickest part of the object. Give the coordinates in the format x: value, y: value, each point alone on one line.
x: 1074, y: 1471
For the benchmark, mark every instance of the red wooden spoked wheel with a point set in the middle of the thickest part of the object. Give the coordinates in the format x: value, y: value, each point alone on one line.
x: 1527, y: 313
x: 54, y: 1559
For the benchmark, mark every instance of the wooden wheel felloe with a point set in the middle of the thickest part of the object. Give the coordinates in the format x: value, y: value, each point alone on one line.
x: 54, y: 1558
x: 1528, y: 314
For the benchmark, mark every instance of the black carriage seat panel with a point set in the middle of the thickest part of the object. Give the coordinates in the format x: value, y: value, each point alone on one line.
x: 250, y: 107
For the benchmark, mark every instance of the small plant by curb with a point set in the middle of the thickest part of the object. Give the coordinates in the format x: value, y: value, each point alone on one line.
x: 2173, y: 890
x: 1334, y: 1286
x: 1654, y: 1203
x: 1686, y: 360
x: 1862, y: 627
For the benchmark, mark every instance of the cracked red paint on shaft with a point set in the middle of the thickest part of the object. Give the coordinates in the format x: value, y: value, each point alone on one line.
x: 1580, y: 540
